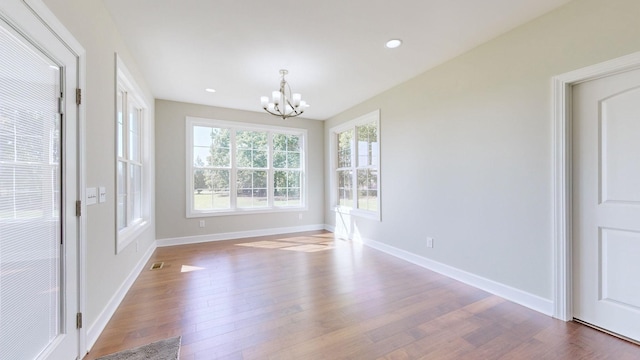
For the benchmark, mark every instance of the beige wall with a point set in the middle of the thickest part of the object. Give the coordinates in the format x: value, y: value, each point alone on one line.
x: 171, y: 169
x: 91, y: 25
x: 467, y: 146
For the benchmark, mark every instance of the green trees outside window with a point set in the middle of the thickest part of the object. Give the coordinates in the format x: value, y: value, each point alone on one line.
x: 245, y: 169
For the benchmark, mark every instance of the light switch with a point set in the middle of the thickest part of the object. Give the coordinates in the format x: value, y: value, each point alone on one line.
x: 103, y: 194
x: 91, y: 196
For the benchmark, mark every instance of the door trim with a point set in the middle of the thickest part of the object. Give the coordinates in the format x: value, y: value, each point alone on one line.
x: 562, y: 91
x: 48, y: 18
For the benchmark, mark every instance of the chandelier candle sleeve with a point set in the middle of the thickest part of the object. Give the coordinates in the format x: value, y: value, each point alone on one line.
x: 283, y: 103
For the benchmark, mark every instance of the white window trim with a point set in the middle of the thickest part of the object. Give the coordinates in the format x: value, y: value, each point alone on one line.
x: 195, y: 121
x: 373, y: 116
x: 127, y: 235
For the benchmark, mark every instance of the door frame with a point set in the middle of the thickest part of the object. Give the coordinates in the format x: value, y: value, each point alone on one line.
x: 562, y: 223
x: 42, y: 12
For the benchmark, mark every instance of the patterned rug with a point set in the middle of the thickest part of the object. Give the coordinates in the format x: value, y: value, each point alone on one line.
x: 167, y: 349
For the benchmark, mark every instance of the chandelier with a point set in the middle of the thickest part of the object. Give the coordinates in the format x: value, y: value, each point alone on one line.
x: 283, y: 103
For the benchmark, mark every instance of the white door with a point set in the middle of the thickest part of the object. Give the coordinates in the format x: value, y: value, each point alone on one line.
x: 606, y: 203
x: 38, y: 189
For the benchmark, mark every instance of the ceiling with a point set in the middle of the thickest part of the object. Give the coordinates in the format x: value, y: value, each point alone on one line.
x: 334, y: 49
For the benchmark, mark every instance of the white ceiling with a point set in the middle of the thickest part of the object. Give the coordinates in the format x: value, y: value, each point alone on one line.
x: 334, y: 49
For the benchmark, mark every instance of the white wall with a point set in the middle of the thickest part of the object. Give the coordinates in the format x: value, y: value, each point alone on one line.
x: 171, y: 181
x: 92, y: 26
x: 466, y: 147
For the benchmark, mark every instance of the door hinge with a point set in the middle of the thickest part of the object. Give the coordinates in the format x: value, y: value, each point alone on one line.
x: 78, y: 96
x: 60, y: 105
x: 78, y: 208
x: 79, y: 321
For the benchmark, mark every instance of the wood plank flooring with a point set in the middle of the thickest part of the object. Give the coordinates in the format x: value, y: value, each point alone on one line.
x: 310, y: 296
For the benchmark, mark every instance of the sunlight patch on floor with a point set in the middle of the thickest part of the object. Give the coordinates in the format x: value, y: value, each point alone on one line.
x: 302, y: 243
x: 189, y: 268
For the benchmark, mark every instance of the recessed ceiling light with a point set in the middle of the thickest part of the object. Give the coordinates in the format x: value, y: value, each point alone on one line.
x: 210, y: 90
x: 393, y: 43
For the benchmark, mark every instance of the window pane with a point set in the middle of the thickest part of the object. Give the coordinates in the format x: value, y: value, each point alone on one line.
x: 136, y: 191
x: 202, y: 136
x: 211, y: 190
x: 368, y: 189
x: 293, y: 143
x: 244, y: 158
x: 344, y: 148
x: 345, y: 197
x: 219, y: 157
x: 287, y: 188
x: 293, y: 179
x: 280, y: 142
x: 293, y: 160
x: 211, y: 147
x: 252, y: 149
x: 119, y: 123
x: 256, y: 140
x: 294, y: 197
x: 122, y: 196
x: 134, y: 133
x: 260, y: 159
x: 279, y: 159
x: 199, y: 180
x: 252, y: 188
x: 367, y: 141
x: 219, y: 180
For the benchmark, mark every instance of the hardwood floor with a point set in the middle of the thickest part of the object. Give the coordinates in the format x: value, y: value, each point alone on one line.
x: 310, y: 296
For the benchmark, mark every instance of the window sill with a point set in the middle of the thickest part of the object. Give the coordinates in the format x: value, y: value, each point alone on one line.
x: 197, y: 214
x: 127, y: 235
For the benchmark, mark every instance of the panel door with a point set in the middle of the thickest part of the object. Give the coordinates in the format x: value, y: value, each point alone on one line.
x: 606, y: 203
x: 38, y: 176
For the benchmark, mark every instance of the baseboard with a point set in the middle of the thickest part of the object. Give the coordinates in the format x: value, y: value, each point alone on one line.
x: 523, y: 298
x: 94, y: 331
x: 236, y: 235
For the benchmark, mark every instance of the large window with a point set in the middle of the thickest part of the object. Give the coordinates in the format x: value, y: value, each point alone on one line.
x: 355, y: 162
x: 131, y: 164
x: 237, y: 168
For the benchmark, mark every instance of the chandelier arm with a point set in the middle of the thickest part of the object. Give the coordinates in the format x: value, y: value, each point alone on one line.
x: 282, y: 115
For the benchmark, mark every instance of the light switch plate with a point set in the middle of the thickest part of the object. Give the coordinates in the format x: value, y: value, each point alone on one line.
x: 103, y: 194
x: 91, y: 196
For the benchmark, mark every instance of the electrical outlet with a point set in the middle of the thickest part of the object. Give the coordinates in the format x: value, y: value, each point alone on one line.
x: 429, y: 242
x: 201, y: 223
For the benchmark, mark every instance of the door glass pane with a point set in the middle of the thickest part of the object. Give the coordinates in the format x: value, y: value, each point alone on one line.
x: 30, y: 227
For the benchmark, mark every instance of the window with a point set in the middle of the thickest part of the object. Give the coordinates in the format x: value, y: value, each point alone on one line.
x: 235, y: 168
x: 355, y: 162
x: 131, y: 164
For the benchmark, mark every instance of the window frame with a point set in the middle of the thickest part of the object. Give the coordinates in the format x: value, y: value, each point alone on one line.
x: 134, y: 227
x: 191, y: 212
x: 372, y: 117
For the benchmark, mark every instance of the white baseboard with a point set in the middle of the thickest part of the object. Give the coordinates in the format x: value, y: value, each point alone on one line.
x: 523, y: 298
x: 94, y: 331
x: 236, y: 235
